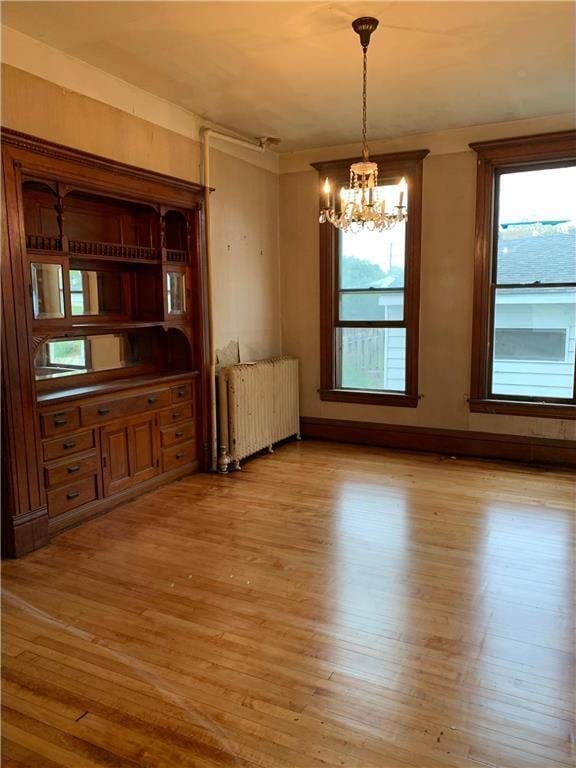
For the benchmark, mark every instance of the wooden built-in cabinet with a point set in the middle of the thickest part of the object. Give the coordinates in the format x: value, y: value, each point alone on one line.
x: 104, y: 354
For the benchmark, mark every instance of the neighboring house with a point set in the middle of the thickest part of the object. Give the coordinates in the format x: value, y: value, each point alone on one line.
x: 535, y: 328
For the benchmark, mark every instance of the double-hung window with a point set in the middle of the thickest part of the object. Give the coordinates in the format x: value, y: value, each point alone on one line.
x: 369, y: 301
x: 525, y: 293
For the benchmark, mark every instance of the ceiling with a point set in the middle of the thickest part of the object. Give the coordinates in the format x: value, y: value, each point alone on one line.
x: 292, y: 70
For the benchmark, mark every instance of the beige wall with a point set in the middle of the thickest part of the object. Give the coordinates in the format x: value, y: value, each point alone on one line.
x: 244, y: 204
x: 246, y: 256
x: 446, y: 301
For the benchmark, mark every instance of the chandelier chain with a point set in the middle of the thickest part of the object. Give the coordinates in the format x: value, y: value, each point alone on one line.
x: 364, y: 102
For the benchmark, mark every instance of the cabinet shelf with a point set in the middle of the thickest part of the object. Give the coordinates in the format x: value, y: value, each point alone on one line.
x: 115, y: 251
x: 38, y: 244
x: 115, y: 385
x: 127, y: 324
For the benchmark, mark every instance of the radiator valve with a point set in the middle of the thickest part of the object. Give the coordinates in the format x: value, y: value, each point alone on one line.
x: 224, y: 460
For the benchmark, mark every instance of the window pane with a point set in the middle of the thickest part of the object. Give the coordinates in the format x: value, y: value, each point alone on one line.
x: 537, y: 226
x: 70, y: 352
x: 529, y: 344
x: 534, y: 338
x: 372, y: 358
x: 374, y: 259
x: 372, y: 305
x: 76, y: 280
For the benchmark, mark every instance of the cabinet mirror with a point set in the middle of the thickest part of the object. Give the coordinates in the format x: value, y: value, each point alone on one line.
x: 96, y: 292
x: 47, y: 291
x: 86, y: 354
x: 176, y: 292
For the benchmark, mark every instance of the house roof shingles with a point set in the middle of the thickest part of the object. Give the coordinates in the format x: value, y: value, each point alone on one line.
x: 549, y: 257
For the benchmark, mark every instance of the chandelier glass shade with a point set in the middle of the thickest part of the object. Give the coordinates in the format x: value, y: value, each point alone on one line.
x: 362, y: 204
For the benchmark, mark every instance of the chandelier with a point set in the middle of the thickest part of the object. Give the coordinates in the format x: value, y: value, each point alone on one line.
x: 362, y: 205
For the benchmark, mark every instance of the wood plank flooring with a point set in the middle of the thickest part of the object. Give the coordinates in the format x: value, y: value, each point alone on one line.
x: 330, y: 605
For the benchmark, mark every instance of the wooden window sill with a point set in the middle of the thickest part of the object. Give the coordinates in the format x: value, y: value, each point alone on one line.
x: 524, y: 408
x: 369, y: 398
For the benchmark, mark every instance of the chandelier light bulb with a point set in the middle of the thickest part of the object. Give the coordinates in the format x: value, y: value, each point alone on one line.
x: 403, y: 187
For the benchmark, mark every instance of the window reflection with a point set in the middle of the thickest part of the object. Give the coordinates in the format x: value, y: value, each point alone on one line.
x: 176, y: 293
x: 372, y: 537
x: 47, y: 291
x: 524, y: 594
x: 72, y: 356
x: 95, y: 293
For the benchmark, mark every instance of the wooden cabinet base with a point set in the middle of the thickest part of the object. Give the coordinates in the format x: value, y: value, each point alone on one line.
x: 100, y: 506
x: 25, y: 533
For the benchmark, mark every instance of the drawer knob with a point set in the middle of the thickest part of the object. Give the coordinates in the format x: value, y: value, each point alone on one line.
x: 72, y: 495
x: 152, y: 399
x: 60, y: 421
x: 69, y: 444
x: 179, y: 455
x: 181, y: 392
x: 176, y: 415
x: 73, y: 469
x: 178, y: 434
x: 103, y: 411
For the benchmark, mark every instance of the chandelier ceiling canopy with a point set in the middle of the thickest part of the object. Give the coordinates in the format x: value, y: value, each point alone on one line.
x: 363, y: 205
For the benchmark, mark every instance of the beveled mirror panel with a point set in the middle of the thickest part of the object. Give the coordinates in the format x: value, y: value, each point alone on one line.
x: 96, y: 293
x: 176, y: 293
x: 47, y: 291
x: 86, y: 354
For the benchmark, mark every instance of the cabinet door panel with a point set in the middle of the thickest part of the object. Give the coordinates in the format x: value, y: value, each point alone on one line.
x: 143, y: 449
x: 116, y: 459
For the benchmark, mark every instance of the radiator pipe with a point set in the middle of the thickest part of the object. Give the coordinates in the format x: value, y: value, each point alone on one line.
x: 259, y: 145
x: 224, y: 458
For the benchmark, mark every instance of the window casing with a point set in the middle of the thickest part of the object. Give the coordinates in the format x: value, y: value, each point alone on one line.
x: 523, y: 356
x: 368, y: 330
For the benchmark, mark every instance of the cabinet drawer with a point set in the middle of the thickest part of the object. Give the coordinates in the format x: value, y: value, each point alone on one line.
x: 65, y: 472
x: 55, y: 449
x: 71, y: 496
x: 178, y: 413
x: 98, y: 413
x: 178, y: 455
x: 178, y: 433
x: 64, y: 420
x: 181, y: 393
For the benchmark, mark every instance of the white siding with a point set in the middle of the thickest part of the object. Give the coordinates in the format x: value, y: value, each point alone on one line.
x: 537, y: 309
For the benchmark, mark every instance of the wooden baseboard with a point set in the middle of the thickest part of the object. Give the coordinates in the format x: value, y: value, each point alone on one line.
x: 487, y: 445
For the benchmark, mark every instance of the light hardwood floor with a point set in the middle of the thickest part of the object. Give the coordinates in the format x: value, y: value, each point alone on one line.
x: 331, y: 605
